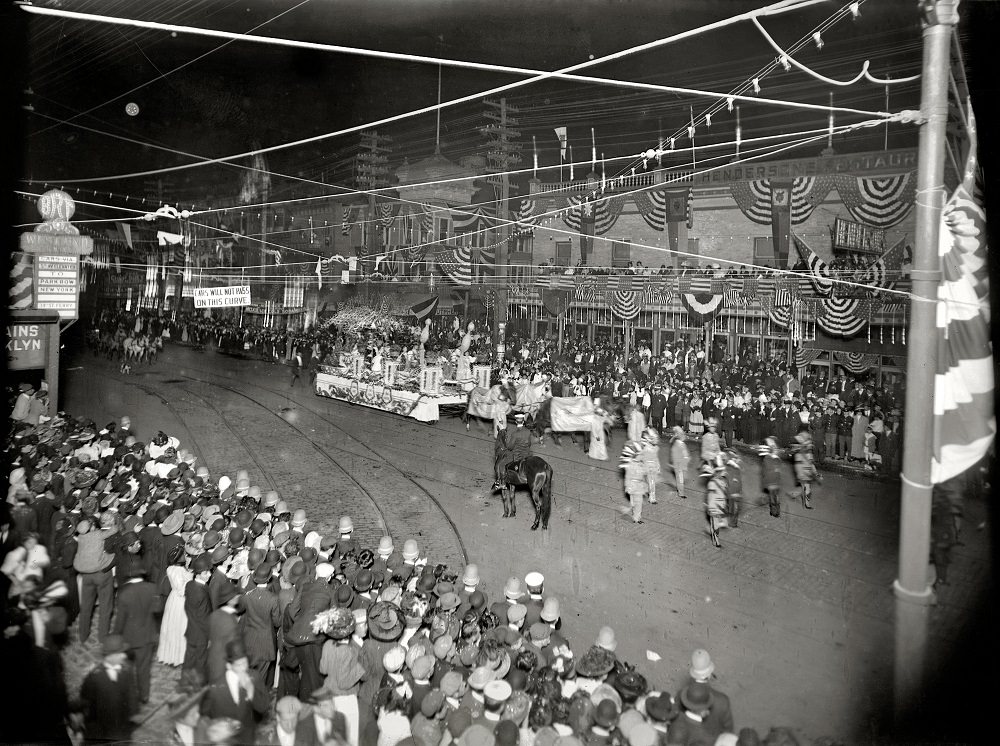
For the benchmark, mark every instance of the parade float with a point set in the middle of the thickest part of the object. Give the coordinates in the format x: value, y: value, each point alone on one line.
x: 385, y: 364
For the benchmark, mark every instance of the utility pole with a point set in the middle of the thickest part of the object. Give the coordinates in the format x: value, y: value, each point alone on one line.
x: 501, y: 155
x: 913, y: 592
x: 372, y: 173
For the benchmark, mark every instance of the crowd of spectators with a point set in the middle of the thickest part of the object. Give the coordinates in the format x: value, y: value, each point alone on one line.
x: 281, y: 635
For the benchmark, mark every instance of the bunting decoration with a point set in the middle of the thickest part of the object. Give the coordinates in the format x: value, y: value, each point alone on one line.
x: 625, y: 304
x: 657, y: 293
x: 295, y: 288
x: 884, y: 272
x: 804, y: 357
x: 754, y: 198
x: 881, y: 202
x: 701, y: 307
x: 460, y: 263
x: 472, y: 220
x: 843, y: 317
x: 337, y: 269
x: 964, y: 420
x: 385, y: 213
x: 603, y: 213
x: 527, y: 215
x: 778, y: 315
x: 347, y: 220
x: 856, y: 362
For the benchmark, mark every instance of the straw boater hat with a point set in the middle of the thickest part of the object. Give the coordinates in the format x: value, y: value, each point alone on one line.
x: 385, y: 621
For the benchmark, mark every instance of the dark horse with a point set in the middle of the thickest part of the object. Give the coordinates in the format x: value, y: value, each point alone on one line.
x: 534, y: 473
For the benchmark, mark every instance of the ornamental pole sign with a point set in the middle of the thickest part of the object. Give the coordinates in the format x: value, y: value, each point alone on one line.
x: 56, y: 246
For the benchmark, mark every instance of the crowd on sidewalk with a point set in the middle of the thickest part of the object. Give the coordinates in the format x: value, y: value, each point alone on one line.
x: 281, y: 635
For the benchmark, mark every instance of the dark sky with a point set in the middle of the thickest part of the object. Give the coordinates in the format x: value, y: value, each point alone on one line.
x: 82, y: 75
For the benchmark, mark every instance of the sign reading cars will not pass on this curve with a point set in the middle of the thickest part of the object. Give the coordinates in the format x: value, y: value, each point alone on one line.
x: 237, y: 295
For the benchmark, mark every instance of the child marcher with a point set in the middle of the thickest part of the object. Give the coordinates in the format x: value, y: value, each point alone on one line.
x: 715, y: 498
x: 734, y: 481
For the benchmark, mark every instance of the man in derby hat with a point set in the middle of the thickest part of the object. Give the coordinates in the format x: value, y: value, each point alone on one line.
x: 701, y: 670
x: 197, y: 609
x: 135, y: 622
x: 223, y: 628
x: 237, y: 693
x: 261, y: 619
x: 692, y: 724
x: 109, y: 694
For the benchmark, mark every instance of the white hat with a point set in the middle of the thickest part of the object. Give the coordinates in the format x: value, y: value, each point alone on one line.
x: 224, y: 483
x: 534, y: 580
x: 324, y: 571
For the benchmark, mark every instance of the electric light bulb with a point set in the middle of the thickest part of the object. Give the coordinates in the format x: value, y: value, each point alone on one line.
x: 818, y: 39
x: 785, y: 63
x: 729, y: 103
x: 756, y: 85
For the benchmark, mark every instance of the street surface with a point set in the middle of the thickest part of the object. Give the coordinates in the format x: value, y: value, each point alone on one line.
x: 796, y: 612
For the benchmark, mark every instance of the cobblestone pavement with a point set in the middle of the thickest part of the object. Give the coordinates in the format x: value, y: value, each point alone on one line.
x: 797, y: 612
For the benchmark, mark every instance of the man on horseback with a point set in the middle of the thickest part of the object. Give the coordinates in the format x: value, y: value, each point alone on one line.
x: 512, y: 446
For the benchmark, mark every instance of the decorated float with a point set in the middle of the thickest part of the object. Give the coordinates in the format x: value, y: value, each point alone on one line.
x: 385, y: 364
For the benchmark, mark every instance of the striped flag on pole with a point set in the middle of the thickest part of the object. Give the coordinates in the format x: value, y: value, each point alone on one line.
x: 964, y: 422
x: 425, y: 308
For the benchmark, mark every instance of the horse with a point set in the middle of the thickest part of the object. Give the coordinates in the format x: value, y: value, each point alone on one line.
x: 483, y: 403
x: 534, y: 473
x: 572, y: 414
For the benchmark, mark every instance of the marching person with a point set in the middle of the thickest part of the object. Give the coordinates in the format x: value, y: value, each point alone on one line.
x: 715, y: 498
x: 296, y: 364
x: 805, y: 466
x: 770, y: 474
x: 516, y: 447
x: 636, y: 485
x: 734, y: 481
x: 710, y: 448
x: 679, y: 457
x: 649, y: 454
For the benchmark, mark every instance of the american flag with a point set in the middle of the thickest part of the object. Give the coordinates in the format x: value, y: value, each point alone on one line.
x: 733, y: 297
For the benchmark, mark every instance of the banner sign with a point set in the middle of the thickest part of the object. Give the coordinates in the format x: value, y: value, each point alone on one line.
x: 857, y: 237
x: 57, y: 284
x: 237, y: 295
x: 28, y: 345
x: 877, y: 162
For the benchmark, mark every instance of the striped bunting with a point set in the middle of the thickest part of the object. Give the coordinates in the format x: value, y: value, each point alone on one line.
x: 884, y: 272
x: 605, y: 213
x: 804, y: 357
x: 425, y: 308
x: 754, y: 198
x: 840, y: 317
x: 456, y: 263
x: 347, y: 220
x: 527, y: 215
x: 474, y: 219
x: 856, y: 362
x: 701, y: 307
x: 625, y: 304
x: 964, y: 422
x: 779, y: 316
x: 880, y: 202
x: 385, y: 213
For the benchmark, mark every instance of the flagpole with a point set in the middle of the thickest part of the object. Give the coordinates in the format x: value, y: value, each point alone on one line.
x: 914, y: 594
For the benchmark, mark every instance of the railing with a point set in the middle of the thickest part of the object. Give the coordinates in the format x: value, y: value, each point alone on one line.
x: 626, y: 183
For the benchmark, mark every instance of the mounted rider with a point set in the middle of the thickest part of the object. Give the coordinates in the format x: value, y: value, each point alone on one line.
x: 512, y: 446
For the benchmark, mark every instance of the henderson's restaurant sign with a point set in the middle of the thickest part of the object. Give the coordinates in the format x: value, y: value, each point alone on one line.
x: 878, y: 162
x: 237, y: 295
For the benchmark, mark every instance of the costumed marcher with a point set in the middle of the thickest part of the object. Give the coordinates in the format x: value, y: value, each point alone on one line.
x: 710, y: 447
x: 598, y: 447
x: 734, y: 483
x: 770, y: 474
x: 635, y: 478
x: 715, y: 497
x: 679, y: 457
x: 649, y: 454
x: 516, y: 447
x: 805, y: 467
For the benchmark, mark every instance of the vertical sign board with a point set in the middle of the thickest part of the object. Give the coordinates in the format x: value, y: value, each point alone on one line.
x: 57, y: 285
x: 33, y: 344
